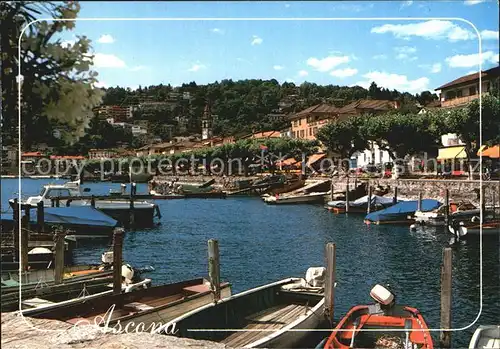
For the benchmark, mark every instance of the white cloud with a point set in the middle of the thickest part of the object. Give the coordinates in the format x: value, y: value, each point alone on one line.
x: 290, y: 80
x: 138, y: 68
x: 436, y: 68
x: 433, y: 29
x: 489, y: 35
x: 343, y: 73
x: 106, y: 39
x: 379, y: 57
x: 472, y: 72
x: 278, y: 67
x: 256, y: 40
x: 197, y: 67
x: 303, y: 73
x: 394, y: 81
x: 327, y: 63
x: 473, y: 2
x: 432, y: 68
x: 405, y: 52
x: 472, y: 60
x: 103, y: 60
x: 217, y: 30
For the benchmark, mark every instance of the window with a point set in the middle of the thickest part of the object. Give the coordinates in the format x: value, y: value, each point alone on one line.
x: 295, y: 123
x: 53, y: 193
x: 450, y: 95
x: 472, y: 91
x: 300, y: 122
x: 459, y: 93
x: 310, y: 131
x: 315, y: 131
x: 301, y: 133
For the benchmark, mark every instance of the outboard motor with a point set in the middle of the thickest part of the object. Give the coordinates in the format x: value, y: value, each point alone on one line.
x: 127, y: 273
x: 383, y: 297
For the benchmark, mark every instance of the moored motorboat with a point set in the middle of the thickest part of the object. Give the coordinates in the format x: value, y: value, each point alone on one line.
x: 360, y: 205
x: 436, y: 217
x: 473, y: 228
x: 295, y: 198
x: 70, y: 194
x: 487, y: 337
x: 380, y: 325
x: 401, y: 213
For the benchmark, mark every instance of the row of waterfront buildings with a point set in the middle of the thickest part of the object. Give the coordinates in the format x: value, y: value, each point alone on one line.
x: 303, y: 125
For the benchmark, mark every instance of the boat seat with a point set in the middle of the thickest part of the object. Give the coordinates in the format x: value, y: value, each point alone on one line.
x: 137, y: 307
x: 196, y: 289
x: 36, y: 302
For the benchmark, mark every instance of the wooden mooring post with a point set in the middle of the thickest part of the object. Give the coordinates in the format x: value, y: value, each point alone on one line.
x: 132, y: 213
x: 395, y: 197
x: 214, y: 268
x: 446, y: 208
x: 369, y: 204
x: 40, y: 216
x: 419, y: 202
x: 24, y: 236
x: 332, y: 187
x: 347, y: 196
x: 59, y: 257
x: 446, y: 284
x: 330, y: 255
x: 117, y: 260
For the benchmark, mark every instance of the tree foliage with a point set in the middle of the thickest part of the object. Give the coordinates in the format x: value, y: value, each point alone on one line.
x: 56, y: 80
x: 243, y: 106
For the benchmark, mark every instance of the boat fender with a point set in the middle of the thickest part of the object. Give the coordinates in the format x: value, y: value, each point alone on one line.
x: 413, y: 227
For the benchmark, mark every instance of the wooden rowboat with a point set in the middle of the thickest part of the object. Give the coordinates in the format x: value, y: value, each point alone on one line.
x: 149, y: 307
x: 380, y: 325
x: 268, y: 316
x: 486, y: 337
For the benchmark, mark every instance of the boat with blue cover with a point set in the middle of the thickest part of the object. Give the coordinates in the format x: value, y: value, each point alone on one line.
x: 83, y: 221
x: 401, y: 213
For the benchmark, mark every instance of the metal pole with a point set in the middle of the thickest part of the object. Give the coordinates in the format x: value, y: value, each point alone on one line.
x: 330, y: 255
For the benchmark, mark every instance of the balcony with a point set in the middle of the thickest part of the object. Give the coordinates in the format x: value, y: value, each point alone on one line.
x: 454, y: 102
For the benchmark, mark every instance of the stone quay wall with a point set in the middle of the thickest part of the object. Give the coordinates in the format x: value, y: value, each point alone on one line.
x: 467, y: 190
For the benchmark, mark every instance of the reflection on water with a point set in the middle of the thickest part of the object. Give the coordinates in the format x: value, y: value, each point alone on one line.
x: 261, y: 244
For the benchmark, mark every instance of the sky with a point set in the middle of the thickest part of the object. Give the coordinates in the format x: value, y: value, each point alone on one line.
x: 407, y: 55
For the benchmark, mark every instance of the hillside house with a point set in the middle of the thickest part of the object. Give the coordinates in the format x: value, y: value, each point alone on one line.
x: 466, y: 88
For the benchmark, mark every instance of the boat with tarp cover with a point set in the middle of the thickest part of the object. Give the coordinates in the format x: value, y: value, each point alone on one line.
x: 401, y: 213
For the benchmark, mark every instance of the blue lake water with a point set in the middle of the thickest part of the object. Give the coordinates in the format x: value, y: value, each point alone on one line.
x: 260, y: 244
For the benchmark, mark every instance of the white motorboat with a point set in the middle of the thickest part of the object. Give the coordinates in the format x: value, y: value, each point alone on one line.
x: 436, y: 217
x: 295, y: 198
x: 119, y: 209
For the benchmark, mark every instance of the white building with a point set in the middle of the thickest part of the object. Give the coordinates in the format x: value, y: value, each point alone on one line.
x: 374, y: 155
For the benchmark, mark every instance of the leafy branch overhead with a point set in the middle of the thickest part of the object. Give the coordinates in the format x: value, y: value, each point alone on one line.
x: 57, y: 83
